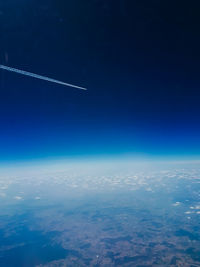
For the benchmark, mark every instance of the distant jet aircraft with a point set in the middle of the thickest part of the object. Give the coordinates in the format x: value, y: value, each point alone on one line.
x: 39, y: 77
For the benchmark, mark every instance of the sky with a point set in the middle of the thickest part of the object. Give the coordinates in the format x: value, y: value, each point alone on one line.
x: 138, y: 59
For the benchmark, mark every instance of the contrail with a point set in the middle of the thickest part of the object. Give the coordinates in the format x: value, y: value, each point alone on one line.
x: 40, y: 77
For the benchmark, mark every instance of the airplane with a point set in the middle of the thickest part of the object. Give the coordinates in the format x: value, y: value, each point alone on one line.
x: 26, y: 73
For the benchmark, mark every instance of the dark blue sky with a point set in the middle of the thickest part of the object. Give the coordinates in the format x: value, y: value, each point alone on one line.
x: 139, y: 60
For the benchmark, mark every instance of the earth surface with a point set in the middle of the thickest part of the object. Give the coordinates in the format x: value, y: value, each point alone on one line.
x: 100, y: 214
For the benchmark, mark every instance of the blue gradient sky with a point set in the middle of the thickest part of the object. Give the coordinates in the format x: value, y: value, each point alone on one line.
x: 138, y: 59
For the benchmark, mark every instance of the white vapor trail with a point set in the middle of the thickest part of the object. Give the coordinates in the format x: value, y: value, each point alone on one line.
x: 40, y: 77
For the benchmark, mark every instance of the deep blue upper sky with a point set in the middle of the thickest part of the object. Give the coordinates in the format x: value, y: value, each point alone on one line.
x: 139, y: 60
